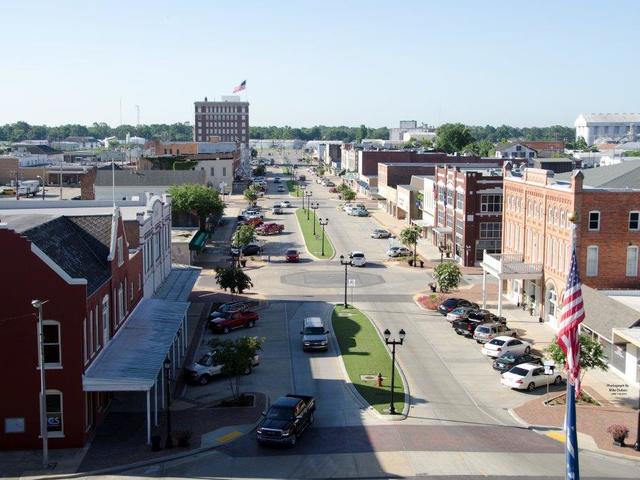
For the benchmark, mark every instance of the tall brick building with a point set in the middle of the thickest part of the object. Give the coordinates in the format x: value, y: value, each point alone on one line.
x: 227, y: 119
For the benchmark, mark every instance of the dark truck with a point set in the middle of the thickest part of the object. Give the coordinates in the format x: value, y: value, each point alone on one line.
x: 467, y: 326
x: 286, y: 419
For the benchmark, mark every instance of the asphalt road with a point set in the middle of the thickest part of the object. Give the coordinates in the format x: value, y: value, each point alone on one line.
x: 458, y: 424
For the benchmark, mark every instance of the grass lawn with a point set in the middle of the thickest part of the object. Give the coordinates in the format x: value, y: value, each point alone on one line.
x: 314, y: 243
x: 364, y: 353
x: 294, y: 189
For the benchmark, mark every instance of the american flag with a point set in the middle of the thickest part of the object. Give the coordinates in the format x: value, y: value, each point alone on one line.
x: 240, y: 87
x: 571, y: 316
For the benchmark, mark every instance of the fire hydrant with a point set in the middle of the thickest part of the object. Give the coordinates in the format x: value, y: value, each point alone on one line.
x: 379, y: 379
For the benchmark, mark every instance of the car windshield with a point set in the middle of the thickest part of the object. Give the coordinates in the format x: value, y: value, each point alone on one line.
x: 451, y: 301
x: 508, y: 357
x: 207, y: 359
x: 483, y: 329
x: 278, y: 413
x: 458, y: 310
x: 497, y: 342
x: 314, y: 331
x: 357, y: 255
x: 228, y: 307
x: 521, y: 372
x: 292, y: 252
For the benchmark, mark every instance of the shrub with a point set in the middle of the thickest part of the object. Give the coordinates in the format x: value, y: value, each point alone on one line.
x: 618, y: 432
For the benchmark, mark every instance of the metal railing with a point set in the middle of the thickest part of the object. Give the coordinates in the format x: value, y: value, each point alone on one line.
x: 510, y: 263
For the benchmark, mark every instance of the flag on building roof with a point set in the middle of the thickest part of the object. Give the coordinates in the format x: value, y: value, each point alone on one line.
x: 571, y: 316
x: 240, y: 87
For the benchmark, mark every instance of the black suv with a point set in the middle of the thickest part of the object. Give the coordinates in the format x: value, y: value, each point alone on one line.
x: 509, y: 360
x: 451, y: 303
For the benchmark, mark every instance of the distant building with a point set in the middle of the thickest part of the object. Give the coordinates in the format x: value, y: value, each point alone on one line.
x: 409, y: 126
x: 227, y: 119
x: 516, y: 150
x: 556, y: 165
x: 604, y: 127
x: 36, y: 155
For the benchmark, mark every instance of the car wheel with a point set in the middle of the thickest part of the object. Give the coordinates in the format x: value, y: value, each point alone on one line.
x: 225, y: 330
x: 531, y: 387
x: 247, y: 371
x: 293, y: 441
x: 514, y: 334
x: 204, y: 379
x: 527, y: 350
x: 250, y: 324
x: 458, y: 332
x: 478, y: 341
x: 557, y: 380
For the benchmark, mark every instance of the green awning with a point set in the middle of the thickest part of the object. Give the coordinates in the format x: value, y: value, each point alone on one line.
x: 342, y: 172
x: 198, y: 241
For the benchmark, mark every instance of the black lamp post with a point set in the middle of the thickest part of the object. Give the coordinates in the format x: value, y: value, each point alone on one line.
x: 314, y: 206
x: 302, y: 188
x: 323, y: 223
x: 393, y: 343
x: 167, y: 365
x: 308, y: 196
x: 636, y: 446
x: 346, y: 264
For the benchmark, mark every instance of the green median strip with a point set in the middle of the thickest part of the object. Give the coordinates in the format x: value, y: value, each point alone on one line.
x: 294, y: 189
x: 365, y: 356
x: 314, y: 242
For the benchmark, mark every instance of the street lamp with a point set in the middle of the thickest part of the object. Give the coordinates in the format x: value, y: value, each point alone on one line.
x: 167, y: 365
x: 314, y: 206
x: 308, y: 196
x: 323, y: 223
x: 393, y: 343
x: 44, y: 433
x: 346, y: 264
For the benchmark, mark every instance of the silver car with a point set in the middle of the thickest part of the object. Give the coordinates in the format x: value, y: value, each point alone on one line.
x: 380, y: 233
x: 486, y: 332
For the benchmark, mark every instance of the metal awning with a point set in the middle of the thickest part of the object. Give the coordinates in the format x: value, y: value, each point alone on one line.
x: 198, y: 242
x: 423, y: 222
x: 443, y: 230
x: 133, y: 358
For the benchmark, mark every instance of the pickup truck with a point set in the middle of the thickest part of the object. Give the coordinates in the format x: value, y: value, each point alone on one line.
x: 467, y: 326
x: 269, y: 228
x: 208, y: 366
x: 286, y: 419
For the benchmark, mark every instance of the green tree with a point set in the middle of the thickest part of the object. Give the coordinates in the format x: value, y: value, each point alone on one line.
x: 453, y: 137
x: 259, y: 171
x: 580, y: 144
x: 320, y: 170
x: 236, y: 358
x: 591, y: 354
x: 447, y: 275
x: 254, y: 153
x: 348, y: 195
x: 198, y: 200
x: 409, y: 236
x: 243, y: 236
x: 251, y: 195
x: 483, y: 148
x: 233, y: 278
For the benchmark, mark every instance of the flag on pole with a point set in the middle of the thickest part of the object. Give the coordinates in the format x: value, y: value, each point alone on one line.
x: 240, y: 87
x: 571, y: 316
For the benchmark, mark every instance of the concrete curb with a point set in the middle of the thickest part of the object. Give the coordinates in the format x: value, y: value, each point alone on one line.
x: 354, y: 391
x: 305, y: 242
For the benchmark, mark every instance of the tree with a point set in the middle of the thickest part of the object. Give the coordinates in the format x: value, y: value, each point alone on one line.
x: 236, y: 358
x: 254, y: 153
x: 259, y: 171
x: 233, y: 278
x: 349, y: 195
x: 483, y: 148
x: 591, y: 354
x: 197, y: 199
x: 251, y: 195
x: 242, y: 237
x: 580, y: 144
x: 453, y: 137
x: 409, y: 236
x: 447, y: 275
x: 320, y: 170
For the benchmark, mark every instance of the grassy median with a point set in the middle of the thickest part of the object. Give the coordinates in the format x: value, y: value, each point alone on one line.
x: 364, y: 355
x: 314, y: 242
x: 294, y: 189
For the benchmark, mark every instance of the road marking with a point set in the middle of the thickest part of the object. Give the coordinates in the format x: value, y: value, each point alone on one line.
x: 558, y: 436
x: 228, y: 437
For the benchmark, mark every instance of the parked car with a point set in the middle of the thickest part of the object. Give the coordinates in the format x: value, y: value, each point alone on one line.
x: 499, y: 345
x: 358, y: 259
x: 281, y: 189
x: 209, y: 366
x: 380, y: 233
x: 347, y: 206
x: 398, y: 252
x: 459, y: 313
x: 286, y: 419
x: 254, y: 222
x: 488, y: 331
x: 231, y: 307
x: 453, y: 303
x: 508, y: 360
x: 242, y: 220
x: 466, y: 326
x: 285, y: 204
x: 247, y: 250
x: 333, y: 190
x: 270, y: 228
x: 253, y: 214
x: 529, y: 376
x: 276, y: 180
x: 232, y: 320
x: 314, y: 334
x: 359, y: 212
x: 292, y: 255
x: 329, y: 184
x: 485, y: 316
x: 302, y: 178
x: 277, y: 210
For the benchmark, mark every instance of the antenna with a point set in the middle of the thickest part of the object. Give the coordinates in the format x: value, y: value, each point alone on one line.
x: 137, y: 107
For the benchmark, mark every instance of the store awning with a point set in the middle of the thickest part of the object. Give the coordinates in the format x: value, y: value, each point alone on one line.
x: 423, y: 222
x: 443, y: 230
x: 198, y: 241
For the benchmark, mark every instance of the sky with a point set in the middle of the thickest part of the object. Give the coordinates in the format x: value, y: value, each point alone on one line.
x: 348, y: 62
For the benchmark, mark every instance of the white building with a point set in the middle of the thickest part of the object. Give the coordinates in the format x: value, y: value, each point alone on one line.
x: 218, y: 173
x: 607, y: 127
x: 131, y: 185
x: 418, y: 135
x: 516, y: 150
x: 397, y: 134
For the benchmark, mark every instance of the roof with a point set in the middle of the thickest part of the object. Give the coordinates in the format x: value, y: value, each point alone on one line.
x: 513, y: 144
x: 553, y: 160
x: 602, y: 314
x: 544, y: 144
x: 80, y: 139
x: 41, y: 150
x: 611, y: 117
x: 178, y: 284
x: 620, y: 175
x: 147, y: 178
x: 78, y: 245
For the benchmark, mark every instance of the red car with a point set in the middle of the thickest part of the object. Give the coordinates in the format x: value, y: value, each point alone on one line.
x: 292, y: 255
x: 231, y: 320
x: 255, y: 222
x: 269, y: 229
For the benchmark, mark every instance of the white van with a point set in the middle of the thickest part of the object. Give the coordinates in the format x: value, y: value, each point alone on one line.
x: 314, y: 334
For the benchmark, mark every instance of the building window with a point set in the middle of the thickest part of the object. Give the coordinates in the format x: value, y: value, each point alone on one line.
x: 120, y: 248
x: 51, y: 343
x: 632, y: 261
x: 450, y: 194
x: 490, y: 230
x: 459, y: 225
x: 120, y: 303
x: 490, y: 203
x: 594, y: 221
x: 105, y: 320
x: 592, y: 261
x: 212, y: 172
x: 224, y: 171
x: 634, y: 221
x: 85, y: 350
x: 441, y: 195
x: 460, y: 201
x: 563, y: 216
x: 53, y: 414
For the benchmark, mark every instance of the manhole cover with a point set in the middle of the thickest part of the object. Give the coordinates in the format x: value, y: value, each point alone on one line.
x: 370, y: 378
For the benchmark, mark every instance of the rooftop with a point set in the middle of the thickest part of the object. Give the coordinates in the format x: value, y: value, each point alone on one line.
x: 602, y: 313
x: 620, y: 175
x: 611, y: 117
x: 144, y: 178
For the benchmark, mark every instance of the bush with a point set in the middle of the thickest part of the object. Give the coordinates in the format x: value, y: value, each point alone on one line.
x: 447, y: 275
x: 618, y: 432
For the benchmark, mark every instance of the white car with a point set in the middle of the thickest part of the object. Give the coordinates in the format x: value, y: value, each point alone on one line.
x: 500, y: 345
x: 398, y: 252
x: 347, y: 206
x: 380, y: 233
x: 358, y: 259
x: 252, y: 215
x: 276, y: 210
x: 285, y: 204
x: 529, y: 376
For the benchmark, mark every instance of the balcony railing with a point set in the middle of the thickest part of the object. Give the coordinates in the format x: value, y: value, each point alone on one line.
x: 510, y: 263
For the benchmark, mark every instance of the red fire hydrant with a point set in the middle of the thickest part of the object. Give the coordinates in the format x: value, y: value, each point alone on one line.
x: 379, y: 379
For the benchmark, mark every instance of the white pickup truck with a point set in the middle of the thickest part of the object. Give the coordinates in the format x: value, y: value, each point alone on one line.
x: 207, y: 367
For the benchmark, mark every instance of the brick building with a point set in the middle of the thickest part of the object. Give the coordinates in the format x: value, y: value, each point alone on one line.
x: 468, y: 212
x: 227, y: 119
x: 97, y: 268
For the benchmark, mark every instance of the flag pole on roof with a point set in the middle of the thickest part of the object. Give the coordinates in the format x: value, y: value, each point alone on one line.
x: 240, y: 87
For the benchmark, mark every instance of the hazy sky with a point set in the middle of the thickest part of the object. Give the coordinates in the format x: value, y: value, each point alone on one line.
x: 320, y: 62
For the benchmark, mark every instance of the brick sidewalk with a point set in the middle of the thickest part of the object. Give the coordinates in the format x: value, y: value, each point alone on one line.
x: 592, y: 420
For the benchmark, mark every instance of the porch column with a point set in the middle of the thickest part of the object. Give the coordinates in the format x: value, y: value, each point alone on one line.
x: 484, y: 288
x: 499, y: 297
x: 155, y: 401
x: 149, y: 417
